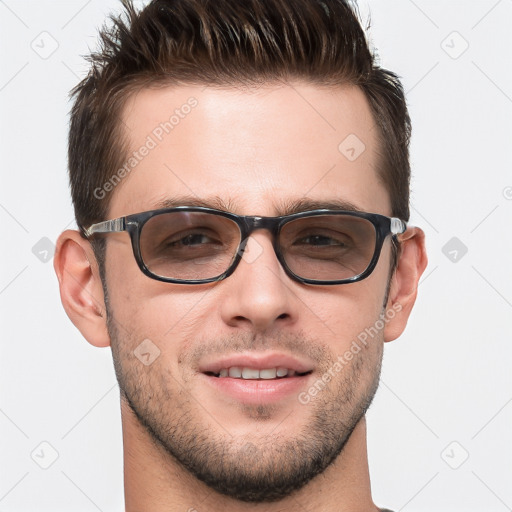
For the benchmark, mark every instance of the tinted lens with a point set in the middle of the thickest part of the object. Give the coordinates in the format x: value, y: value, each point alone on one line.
x: 189, y: 245
x: 328, y: 247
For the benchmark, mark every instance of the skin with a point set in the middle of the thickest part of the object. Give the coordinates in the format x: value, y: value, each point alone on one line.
x: 255, y: 150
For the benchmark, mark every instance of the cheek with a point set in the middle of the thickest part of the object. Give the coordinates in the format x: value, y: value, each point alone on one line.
x: 344, y: 314
x: 172, y: 317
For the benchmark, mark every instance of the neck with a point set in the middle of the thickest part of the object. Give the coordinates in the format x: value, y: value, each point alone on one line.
x: 155, y: 481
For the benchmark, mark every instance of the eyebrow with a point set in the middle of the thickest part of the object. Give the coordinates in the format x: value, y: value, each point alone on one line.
x: 283, y: 207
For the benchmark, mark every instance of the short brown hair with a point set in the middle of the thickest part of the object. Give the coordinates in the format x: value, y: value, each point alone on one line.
x: 226, y: 42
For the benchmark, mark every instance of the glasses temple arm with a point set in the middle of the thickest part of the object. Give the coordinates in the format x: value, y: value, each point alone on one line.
x: 108, y: 226
x: 397, y: 226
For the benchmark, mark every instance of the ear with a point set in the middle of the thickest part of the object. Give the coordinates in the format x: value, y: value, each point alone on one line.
x: 412, y: 260
x: 80, y: 286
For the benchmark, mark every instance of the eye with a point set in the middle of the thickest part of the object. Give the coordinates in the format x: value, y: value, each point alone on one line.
x: 320, y: 240
x: 191, y: 240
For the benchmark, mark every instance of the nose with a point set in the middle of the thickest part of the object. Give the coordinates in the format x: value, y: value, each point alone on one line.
x: 259, y: 295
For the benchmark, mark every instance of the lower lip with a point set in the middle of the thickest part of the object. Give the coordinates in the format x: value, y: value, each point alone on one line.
x: 258, y: 391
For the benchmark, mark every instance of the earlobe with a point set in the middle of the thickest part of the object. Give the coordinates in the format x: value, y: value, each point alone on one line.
x: 404, y: 285
x: 80, y: 286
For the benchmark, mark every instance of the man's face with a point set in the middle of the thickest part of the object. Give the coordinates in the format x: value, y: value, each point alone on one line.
x: 254, y: 151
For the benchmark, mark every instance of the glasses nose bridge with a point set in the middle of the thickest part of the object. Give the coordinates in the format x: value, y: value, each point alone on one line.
x: 255, y: 223
x: 250, y: 224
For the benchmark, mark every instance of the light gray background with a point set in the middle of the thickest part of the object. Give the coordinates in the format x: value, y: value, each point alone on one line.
x: 446, y: 388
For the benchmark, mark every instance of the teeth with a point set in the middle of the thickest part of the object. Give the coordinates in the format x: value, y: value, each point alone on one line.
x: 235, y: 372
x: 238, y: 372
x: 250, y: 373
x: 268, y: 374
x: 282, y: 372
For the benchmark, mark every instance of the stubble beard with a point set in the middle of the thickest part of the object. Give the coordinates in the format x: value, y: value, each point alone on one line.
x: 266, y: 468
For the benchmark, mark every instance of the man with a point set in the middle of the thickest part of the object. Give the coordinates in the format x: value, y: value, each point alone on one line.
x: 240, y: 178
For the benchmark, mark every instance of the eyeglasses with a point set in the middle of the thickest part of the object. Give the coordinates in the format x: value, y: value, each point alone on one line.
x: 196, y: 245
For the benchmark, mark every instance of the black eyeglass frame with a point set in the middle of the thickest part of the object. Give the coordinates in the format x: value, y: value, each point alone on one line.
x: 133, y: 224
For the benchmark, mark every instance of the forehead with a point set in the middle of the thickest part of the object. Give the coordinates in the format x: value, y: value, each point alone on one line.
x: 252, y: 150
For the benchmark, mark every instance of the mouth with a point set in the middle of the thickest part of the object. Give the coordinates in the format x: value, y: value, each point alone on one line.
x: 256, y: 378
x: 248, y: 373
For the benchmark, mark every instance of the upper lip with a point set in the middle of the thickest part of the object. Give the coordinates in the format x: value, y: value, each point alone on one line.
x: 258, y: 361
